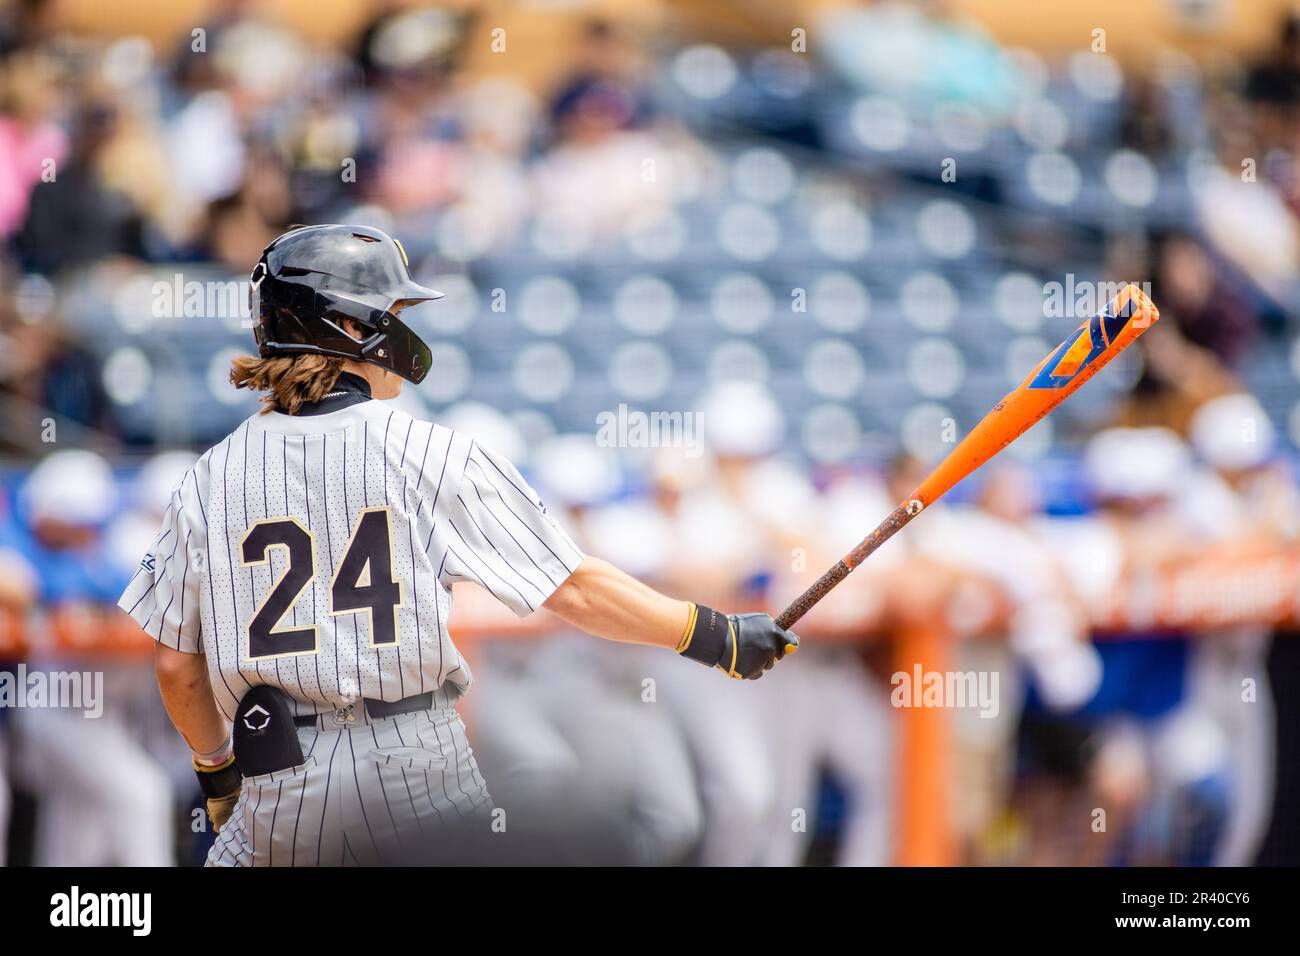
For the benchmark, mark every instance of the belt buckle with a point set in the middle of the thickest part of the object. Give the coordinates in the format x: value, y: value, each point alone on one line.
x: 346, y: 715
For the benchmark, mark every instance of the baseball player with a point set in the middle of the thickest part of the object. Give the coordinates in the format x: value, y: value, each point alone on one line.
x: 299, y: 589
x: 1240, y: 495
x: 571, y: 743
x: 104, y: 800
x: 19, y: 589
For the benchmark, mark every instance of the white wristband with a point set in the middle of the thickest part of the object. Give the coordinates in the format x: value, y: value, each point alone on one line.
x: 216, y: 756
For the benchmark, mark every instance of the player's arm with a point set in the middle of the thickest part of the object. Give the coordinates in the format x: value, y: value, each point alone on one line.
x: 605, y: 602
x: 501, y: 537
x: 187, y: 695
x: 163, y: 598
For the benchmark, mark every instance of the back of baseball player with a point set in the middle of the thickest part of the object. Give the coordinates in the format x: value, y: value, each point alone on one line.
x: 313, y: 553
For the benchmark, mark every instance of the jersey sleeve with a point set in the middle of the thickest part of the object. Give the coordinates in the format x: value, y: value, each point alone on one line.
x: 500, y: 535
x: 163, y: 596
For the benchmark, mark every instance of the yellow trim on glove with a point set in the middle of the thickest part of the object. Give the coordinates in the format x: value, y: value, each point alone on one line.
x: 735, y: 649
x: 689, y: 633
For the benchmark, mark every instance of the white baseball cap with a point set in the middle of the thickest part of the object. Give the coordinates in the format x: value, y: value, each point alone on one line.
x: 1136, y: 463
x: 74, y: 487
x: 1233, y: 433
x: 576, y: 471
x: 160, y: 477
x: 489, y: 428
x: 741, y: 419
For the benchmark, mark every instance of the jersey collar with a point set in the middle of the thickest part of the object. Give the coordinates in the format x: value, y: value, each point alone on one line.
x: 349, y: 390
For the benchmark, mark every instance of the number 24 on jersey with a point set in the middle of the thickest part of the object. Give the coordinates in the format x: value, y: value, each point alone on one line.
x: 363, y: 581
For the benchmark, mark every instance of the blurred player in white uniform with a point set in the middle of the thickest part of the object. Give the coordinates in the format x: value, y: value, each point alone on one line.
x: 103, y: 800
x: 617, y: 754
x: 722, y: 511
x: 1242, y: 497
x: 130, y: 534
x: 834, y: 714
x: 1158, y: 751
x: 580, y: 760
x: 18, y: 591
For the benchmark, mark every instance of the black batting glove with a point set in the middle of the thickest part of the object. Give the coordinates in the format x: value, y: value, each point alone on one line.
x: 743, y: 646
x: 220, y: 785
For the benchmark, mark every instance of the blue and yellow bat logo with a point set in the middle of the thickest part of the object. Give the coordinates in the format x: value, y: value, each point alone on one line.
x: 1082, y: 347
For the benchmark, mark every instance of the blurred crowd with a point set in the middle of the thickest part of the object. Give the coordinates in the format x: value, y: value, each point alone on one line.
x: 205, y: 153
x: 1050, y: 574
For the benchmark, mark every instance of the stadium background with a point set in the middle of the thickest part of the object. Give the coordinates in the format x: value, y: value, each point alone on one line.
x: 830, y: 230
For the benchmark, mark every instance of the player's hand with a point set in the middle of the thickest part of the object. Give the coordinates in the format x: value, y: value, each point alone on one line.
x: 741, y: 645
x: 220, y: 809
x: 220, y: 785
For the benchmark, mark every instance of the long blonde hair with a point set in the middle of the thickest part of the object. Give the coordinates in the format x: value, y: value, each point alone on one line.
x: 290, y: 381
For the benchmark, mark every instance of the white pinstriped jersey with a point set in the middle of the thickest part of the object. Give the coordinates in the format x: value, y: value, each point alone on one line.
x: 316, y: 553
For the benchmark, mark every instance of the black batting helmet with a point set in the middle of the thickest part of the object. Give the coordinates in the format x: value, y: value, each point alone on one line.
x: 313, y: 277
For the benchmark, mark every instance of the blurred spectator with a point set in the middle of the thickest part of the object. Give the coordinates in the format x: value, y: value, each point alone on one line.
x: 595, y: 177
x: 1244, y: 216
x: 26, y: 24
x: 1146, y: 122
x: 413, y: 134
x: 32, y: 144
x: 606, y: 87
x: 921, y: 53
x: 1274, y: 82
x: 1206, y: 308
x: 242, y: 224
x: 46, y: 365
x: 80, y: 219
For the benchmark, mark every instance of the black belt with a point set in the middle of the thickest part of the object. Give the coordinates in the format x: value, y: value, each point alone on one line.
x: 379, y: 709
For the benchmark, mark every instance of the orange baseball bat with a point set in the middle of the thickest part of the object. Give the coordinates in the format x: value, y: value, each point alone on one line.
x: 1052, y: 381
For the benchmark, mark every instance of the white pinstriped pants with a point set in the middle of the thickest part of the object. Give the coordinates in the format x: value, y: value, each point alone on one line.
x: 369, y: 793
